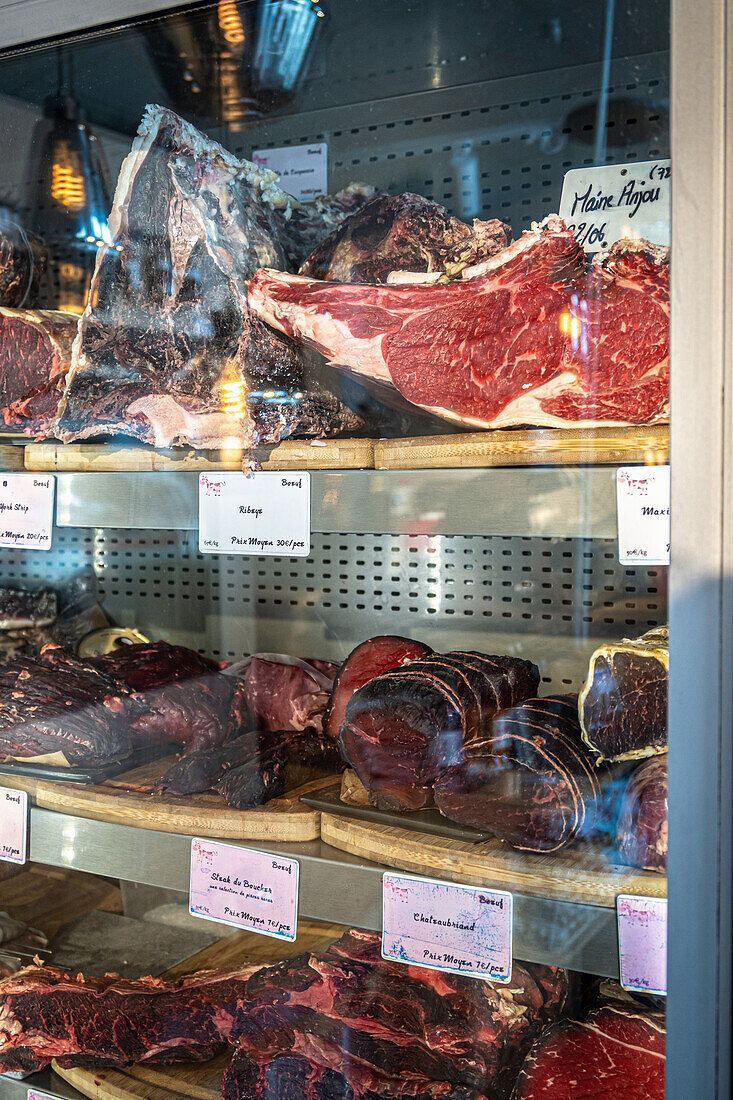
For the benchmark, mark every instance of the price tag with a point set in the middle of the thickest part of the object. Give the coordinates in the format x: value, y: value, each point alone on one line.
x: 643, y: 507
x: 34, y: 1094
x: 244, y: 888
x: 642, y: 943
x: 13, y: 825
x: 617, y: 200
x: 303, y: 169
x: 262, y: 513
x: 461, y: 929
x: 26, y: 510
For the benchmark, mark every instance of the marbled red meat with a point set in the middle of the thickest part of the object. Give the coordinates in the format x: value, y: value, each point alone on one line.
x: 35, y: 355
x: 642, y: 824
x: 286, y: 693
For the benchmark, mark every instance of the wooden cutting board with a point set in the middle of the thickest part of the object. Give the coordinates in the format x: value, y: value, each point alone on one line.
x: 583, y: 874
x: 319, y: 454
x: 208, y: 815
x: 539, y: 447
x: 202, y: 1081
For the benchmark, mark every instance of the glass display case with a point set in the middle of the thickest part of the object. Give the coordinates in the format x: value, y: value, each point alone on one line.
x: 364, y: 572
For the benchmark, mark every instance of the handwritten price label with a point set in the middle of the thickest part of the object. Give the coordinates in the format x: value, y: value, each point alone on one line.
x: 303, y: 169
x: 642, y: 943
x: 460, y: 929
x: 643, y: 507
x: 244, y: 888
x: 26, y: 510
x: 262, y: 513
x: 13, y: 825
x: 602, y: 204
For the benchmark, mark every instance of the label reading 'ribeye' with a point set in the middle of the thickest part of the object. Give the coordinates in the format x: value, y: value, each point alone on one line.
x: 461, y: 929
x: 262, y: 513
x: 642, y: 943
x: 26, y: 510
x: 244, y: 888
x: 13, y: 825
x: 602, y: 204
x: 303, y: 169
x: 643, y: 508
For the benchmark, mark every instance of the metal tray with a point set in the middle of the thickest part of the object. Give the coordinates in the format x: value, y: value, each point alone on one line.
x: 140, y: 756
x: 328, y: 800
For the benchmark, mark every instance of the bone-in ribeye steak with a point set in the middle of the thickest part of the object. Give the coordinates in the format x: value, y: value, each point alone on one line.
x: 533, y: 335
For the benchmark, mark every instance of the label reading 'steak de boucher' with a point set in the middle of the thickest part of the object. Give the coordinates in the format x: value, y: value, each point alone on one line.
x: 262, y: 513
x: 26, y: 510
x: 244, y: 888
x: 461, y: 929
x: 13, y: 825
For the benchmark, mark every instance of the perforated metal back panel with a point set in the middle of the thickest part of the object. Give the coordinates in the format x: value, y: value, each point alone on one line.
x: 550, y: 599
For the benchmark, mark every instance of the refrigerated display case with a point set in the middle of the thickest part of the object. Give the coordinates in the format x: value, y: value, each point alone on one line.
x: 289, y: 276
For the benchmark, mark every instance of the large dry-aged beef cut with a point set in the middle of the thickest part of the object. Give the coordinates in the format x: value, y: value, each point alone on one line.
x: 623, y: 705
x: 23, y: 607
x: 402, y: 729
x: 642, y: 822
x: 287, y: 693
x: 63, y: 708
x: 366, y: 661
x: 533, y: 335
x: 304, y: 225
x: 168, y: 350
x: 35, y: 355
x: 615, y: 1053
x: 531, y: 781
x: 404, y: 233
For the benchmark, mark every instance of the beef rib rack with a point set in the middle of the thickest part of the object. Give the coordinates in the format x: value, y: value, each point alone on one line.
x: 532, y: 335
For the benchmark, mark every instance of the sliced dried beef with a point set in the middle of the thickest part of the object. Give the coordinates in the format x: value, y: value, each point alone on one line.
x: 642, y: 821
x: 623, y: 705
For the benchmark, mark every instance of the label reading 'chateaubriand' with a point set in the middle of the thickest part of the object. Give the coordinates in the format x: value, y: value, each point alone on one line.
x: 602, y: 204
x: 262, y: 513
x: 26, y: 510
x: 643, y: 508
x: 303, y: 169
x: 13, y: 825
x: 461, y: 929
x: 642, y: 943
x: 244, y: 888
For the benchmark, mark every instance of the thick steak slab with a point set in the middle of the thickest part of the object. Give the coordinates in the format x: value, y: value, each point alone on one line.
x: 35, y: 356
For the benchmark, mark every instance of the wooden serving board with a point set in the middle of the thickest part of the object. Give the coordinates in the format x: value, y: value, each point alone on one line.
x: 537, y: 447
x: 202, y: 1081
x: 581, y: 875
x: 11, y: 457
x: 193, y: 815
x: 320, y: 454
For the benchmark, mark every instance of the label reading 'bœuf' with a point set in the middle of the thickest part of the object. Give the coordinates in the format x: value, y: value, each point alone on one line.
x: 642, y: 943
x: 461, y: 929
x: 26, y: 510
x: 602, y: 204
x: 13, y: 825
x: 643, y: 508
x: 262, y: 513
x: 244, y: 888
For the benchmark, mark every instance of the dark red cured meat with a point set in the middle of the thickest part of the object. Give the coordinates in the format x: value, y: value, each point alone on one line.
x: 642, y: 822
x: 531, y: 336
x: 532, y: 782
x: 615, y: 1053
x: 284, y: 696
x: 368, y: 660
x: 35, y: 355
x: 202, y: 769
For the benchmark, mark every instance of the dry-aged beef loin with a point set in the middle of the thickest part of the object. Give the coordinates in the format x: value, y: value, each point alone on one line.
x: 533, y: 335
x: 615, y: 1053
x: 531, y: 781
x: 642, y: 821
x: 623, y: 705
x: 23, y: 607
x: 402, y: 233
x: 287, y: 693
x: 402, y: 729
x: 366, y: 661
x: 168, y: 350
x: 57, y: 703
x: 35, y: 355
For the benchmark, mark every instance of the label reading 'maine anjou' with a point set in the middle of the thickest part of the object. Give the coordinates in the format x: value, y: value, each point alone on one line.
x: 461, y: 929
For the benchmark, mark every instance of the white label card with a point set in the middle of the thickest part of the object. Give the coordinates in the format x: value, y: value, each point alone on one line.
x: 13, y: 825
x: 602, y: 204
x: 461, y: 929
x: 303, y: 169
x: 642, y: 943
x: 244, y: 888
x: 26, y: 510
x: 643, y: 507
x: 258, y: 513
x: 34, y: 1094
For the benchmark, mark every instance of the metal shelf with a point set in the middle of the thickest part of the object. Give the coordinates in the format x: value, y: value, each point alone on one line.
x: 556, y: 502
x: 334, y: 886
